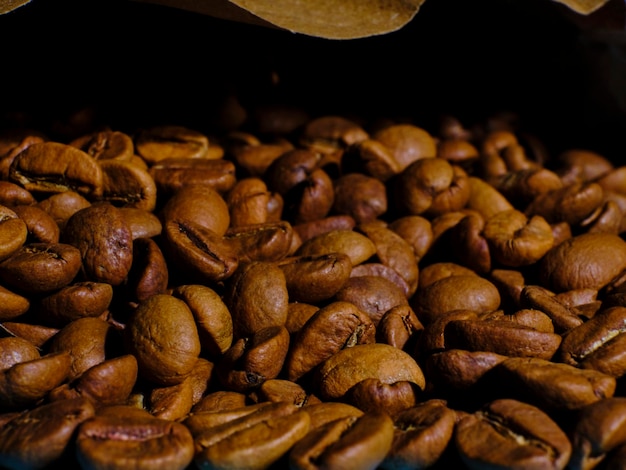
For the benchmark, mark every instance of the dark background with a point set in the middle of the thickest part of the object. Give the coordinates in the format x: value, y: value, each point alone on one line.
x: 140, y: 63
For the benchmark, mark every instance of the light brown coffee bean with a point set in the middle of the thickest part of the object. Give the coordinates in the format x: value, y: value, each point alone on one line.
x: 324, y: 412
x: 162, y: 334
x: 142, y: 223
x: 349, y: 366
x: 584, y: 261
x: 42, y: 228
x: 125, y: 184
x: 468, y: 292
x: 200, y: 253
x: 270, y: 241
x: 360, y: 443
x: 280, y: 390
x: 173, y: 174
x: 515, y: 240
x: 252, y: 360
x: 105, y: 145
x: 552, y: 385
x: 254, y: 441
x: 171, y: 402
x: 161, y: 142
x: 371, y: 395
x: 407, y: 143
x: 501, y: 337
x: 212, y: 317
x: 36, y: 438
x: 312, y: 279
x: 399, y: 327
x: 511, y: 433
x: 61, y: 206
x: 257, y: 297
x: 24, y: 384
x: 599, y: 429
x: 12, y: 305
x: 13, y: 232
x: 104, y: 239
x: 198, y: 203
x: 431, y: 187
x: 598, y: 343
x: 53, y: 167
x: 40, y: 268
x: 107, y: 383
x: 421, y: 434
x: 86, y: 339
x: 333, y: 327
x: 124, y: 439
x: 77, y: 300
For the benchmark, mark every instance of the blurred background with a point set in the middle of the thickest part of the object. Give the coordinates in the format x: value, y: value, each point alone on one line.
x: 138, y: 63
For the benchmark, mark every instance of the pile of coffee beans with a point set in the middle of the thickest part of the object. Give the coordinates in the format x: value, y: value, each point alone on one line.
x: 310, y: 292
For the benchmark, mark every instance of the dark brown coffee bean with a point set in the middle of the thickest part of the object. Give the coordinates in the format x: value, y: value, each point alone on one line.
x: 38, y: 268
x: 53, y: 167
x: 510, y: 433
x: 105, y: 242
x: 126, y: 439
x: 38, y: 437
x: 361, y: 443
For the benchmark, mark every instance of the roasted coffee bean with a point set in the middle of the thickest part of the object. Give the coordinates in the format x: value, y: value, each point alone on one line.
x: 149, y: 272
x: 360, y: 196
x: 552, y: 385
x: 105, y: 242
x: 161, y: 142
x: 598, y: 343
x: 173, y: 174
x: 511, y: 434
x: 313, y: 279
x: 105, y: 145
x: 38, y: 437
x: 53, y: 167
x: 42, y: 228
x: 257, y: 297
x: 107, y: 383
x: 349, y: 366
x: 407, y: 142
x: 125, y: 184
x: 250, y: 361
x: 468, y: 292
x: 212, y: 317
x: 86, y: 339
x: 336, y: 326
x: 355, y: 442
x: 26, y: 383
x: 77, y: 300
x: 270, y: 241
x: 421, y: 434
x: 12, y: 305
x: 585, y: 261
x: 599, y: 429
x: 41, y: 268
x: 133, y: 438
x: 162, y: 334
x: 501, y: 337
x: 254, y: 441
x: 199, y: 251
x: 61, y: 206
